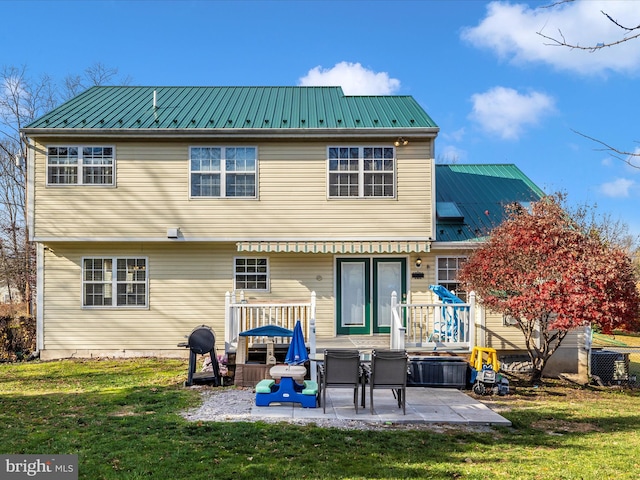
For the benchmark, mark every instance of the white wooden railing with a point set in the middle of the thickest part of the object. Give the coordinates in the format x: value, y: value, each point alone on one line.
x: 430, y: 326
x: 241, y: 316
x: 448, y: 326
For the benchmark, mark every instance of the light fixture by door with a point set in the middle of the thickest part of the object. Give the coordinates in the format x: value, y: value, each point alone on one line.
x: 418, y: 262
x: 401, y: 141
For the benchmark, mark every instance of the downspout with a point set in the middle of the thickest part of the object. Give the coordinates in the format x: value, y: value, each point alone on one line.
x: 433, y: 236
x: 30, y: 225
x: 39, y: 298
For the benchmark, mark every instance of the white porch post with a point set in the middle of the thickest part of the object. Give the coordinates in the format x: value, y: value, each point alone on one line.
x: 397, y: 330
x: 472, y: 320
x: 227, y: 323
x: 392, y: 336
x: 312, y: 337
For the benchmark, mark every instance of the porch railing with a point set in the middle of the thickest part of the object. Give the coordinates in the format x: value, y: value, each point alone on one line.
x: 418, y: 325
x: 433, y: 325
x: 241, y: 316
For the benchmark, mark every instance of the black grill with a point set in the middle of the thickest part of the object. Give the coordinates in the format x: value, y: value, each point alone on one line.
x: 202, y: 341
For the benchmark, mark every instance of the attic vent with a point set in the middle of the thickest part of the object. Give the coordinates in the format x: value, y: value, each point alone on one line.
x: 449, y: 212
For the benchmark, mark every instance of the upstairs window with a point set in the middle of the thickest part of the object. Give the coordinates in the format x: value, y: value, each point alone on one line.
x: 361, y: 172
x: 80, y: 165
x: 114, y: 282
x: 223, y: 172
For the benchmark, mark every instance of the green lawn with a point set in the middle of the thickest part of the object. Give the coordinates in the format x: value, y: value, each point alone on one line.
x: 121, y: 418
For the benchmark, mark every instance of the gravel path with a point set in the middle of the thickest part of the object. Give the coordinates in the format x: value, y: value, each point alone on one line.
x: 234, y: 405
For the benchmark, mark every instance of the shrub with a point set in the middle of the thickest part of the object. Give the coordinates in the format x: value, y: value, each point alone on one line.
x: 17, y: 337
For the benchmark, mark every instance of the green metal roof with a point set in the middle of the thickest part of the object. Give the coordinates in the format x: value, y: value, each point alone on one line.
x: 237, y: 108
x: 480, y: 192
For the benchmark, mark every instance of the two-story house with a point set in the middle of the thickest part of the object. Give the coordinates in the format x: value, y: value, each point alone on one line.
x: 156, y: 208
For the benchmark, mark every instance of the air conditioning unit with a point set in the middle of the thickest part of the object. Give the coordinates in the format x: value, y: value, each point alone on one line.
x: 610, y: 366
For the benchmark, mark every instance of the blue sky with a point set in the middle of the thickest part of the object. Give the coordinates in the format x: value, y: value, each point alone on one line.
x: 497, y: 90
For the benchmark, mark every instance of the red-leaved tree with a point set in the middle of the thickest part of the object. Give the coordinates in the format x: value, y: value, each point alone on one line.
x: 541, y: 269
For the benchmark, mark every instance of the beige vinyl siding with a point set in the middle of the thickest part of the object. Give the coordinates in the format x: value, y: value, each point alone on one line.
x: 187, y: 286
x: 293, y: 277
x: 152, y: 194
x: 186, y: 289
x: 500, y: 336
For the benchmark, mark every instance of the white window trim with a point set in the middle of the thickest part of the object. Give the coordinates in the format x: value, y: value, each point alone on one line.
x: 114, y: 283
x: 223, y: 174
x: 81, y: 166
x: 361, y: 174
x: 268, y: 274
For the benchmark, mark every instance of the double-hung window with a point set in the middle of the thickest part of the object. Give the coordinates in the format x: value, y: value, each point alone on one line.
x: 80, y: 165
x: 251, y: 273
x: 361, y: 172
x: 447, y: 271
x: 223, y: 171
x: 114, y: 282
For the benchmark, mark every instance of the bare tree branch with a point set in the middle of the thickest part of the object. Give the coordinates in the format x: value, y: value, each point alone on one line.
x: 626, y: 157
x: 615, y: 22
x: 23, y: 99
x: 561, y: 41
x: 555, y: 4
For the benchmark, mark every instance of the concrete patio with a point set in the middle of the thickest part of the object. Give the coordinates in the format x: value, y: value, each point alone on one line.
x: 423, y: 405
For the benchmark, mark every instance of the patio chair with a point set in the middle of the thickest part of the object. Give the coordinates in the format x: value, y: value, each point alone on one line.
x: 389, y: 370
x: 340, y: 369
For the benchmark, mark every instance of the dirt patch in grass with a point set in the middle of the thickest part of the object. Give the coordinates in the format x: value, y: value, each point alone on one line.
x: 521, y: 393
x: 560, y: 427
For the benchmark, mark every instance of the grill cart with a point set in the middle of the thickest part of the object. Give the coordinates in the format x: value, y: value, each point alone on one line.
x: 202, y: 341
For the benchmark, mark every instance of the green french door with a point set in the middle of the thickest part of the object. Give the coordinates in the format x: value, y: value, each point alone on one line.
x: 363, y: 297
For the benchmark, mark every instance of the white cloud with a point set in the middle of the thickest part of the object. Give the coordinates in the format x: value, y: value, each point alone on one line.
x: 634, y: 159
x: 619, y: 188
x: 510, y: 30
x: 353, y: 78
x: 505, y: 112
x: 607, y: 162
x: 456, y: 135
x: 450, y: 154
